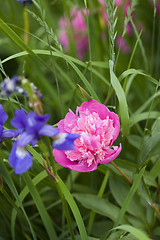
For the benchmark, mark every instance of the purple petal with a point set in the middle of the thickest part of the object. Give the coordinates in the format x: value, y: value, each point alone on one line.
x: 25, y: 139
x: 48, y: 130
x: 3, y: 115
x: 20, y: 159
x: 20, y: 119
x: 9, y: 133
x: 1, y: 130
x: 38, y: 118
x: 35, y: 123
x: 65, y: 141
x: 34, y: 142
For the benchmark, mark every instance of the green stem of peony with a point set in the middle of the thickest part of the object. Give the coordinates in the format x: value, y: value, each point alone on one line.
x: 152, y: 204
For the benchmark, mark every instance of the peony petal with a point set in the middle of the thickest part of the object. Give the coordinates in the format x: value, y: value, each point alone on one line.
x: 69, y: 122
x: 113, y: 154
x: 94, y: 106
x: 61, y: 158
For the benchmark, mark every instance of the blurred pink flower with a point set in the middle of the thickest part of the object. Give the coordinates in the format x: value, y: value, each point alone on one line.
x: 157, y: 6
x: 118, y: 2
x: 129, y: 25
x: 104, y: 13
x: 78, y: 25
x: 121, y: 42
x: 98, y: 128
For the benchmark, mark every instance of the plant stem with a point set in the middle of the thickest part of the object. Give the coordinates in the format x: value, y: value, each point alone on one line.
x: 155, y: 208
x: 26, y: 26
x: 152, y: 204
x: 159, y: 191
x: 89, y: 39
x: 153, y: 38
x: 122, y: 172
x: 64, y: 203
x: 100, y: 194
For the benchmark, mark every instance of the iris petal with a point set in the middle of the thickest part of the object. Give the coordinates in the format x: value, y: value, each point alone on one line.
x: 20, y: 159
x: 25, y: 139
x: 48, y: 130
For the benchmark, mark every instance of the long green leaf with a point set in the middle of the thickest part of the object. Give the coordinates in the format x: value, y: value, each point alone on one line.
x: 129, y: 197
x: 41, y: 208
x: 138, y: 72
x: 22, y: 196
x: 98, y: 205
x: 134, y: 231
x: 11, y: 185
x: 135, y: 118
x: 74, y: 209
x: 122, y: 101
x: 61, y: 55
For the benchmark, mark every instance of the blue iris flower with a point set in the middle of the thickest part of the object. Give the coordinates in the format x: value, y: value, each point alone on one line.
x: 5, y: 134
x: 32, y: 127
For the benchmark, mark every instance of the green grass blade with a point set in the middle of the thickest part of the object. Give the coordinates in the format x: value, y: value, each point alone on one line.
x: 22, y: 45
x: 74, y: 209
x: 11, y: 185
x: 22, y: 196
x: 147, y: 103
x: 140, y: 44
x: 134, y: 231
x: 59, y: 54
x: 129, y: 197
x: 41, y: 208
x: 84, y: 80
x: 135, y: 118
x: 100, y: 194
x: 134, y: 71
x: 122, y: 101
x: 130, y: 61
x: 99, y: 205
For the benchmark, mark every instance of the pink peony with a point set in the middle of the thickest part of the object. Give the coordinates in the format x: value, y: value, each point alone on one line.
x: 79, y: 27
x: 98, y: 128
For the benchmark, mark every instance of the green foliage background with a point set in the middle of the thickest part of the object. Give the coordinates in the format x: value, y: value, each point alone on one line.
x: 102, y: 204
